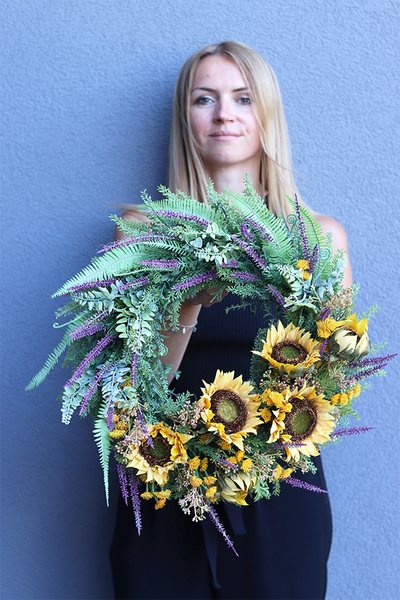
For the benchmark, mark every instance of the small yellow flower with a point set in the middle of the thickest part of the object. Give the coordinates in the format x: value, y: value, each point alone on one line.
x: 266, y: 414
x: 302, y: 264
x: 276, y: 474
x: 335, y: 398
x: 325, y: 328
x: 272, y: 398
x: 116, y: 434
x: 146, y: 495
x: 225, y: 445
x: 233, y: 460
x: 162, y: 494
x: 344, y: 399
x: 211, y: 492
x: 210, y: 480
x: 356, y: 390
x: 122, y: 426
x: 239, y: 455
x: 204, y: 464
x: 247, y: 465
x: 286, y: 473
x: 195, y: 481
x: 194, y: 463
x: 115, y: 418
x: 160, y: 503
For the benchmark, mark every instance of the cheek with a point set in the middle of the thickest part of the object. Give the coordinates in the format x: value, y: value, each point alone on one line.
x: 198, y: 122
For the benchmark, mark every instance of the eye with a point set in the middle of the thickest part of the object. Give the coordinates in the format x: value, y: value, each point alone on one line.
x: 203, y: 100
x: 244, y: 100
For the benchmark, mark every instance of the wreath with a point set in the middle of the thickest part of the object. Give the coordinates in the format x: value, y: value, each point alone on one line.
x: 235, y: 439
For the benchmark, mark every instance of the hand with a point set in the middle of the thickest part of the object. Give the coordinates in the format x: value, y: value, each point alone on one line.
x: 205, y: 297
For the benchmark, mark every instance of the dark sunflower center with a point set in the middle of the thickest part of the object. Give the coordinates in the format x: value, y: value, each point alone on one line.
x: 289, y: 352
x: 160, y: 454
x: 229, y: 409
x: 302, y: 419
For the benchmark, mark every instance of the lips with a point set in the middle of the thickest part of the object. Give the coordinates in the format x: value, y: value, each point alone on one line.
x: 224, y: 135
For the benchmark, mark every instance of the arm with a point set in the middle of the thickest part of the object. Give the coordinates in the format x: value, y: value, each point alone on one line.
x: 339, y: 242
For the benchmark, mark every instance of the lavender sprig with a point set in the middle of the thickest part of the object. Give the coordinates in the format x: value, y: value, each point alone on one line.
x: 215, y: 520
x: 350, y: 431
x: 99, y: 347
x: 259, y: 262
x: 136, y: 283
x: 89, y: 327
x: 88, y: 285
x: 278, y: 297
x: 226, y: 463
x: 192, y: 281
x: 303, y: 484
x: 244, y: 275
x: 123, y: 482
x: 382, y: 361
x: 324, y: 314
x: 134, y: 494
x: 260, y: 229
x: 245, y: 232
x: 182, y: 216
x: 303, y: 233
x: 322, y: 347
x: 314, y: 258
x: 93, y: 386
x: 232, y: 263
x: 138, y: 239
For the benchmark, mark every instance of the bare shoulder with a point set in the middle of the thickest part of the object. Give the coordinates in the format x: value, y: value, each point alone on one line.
x: 329, y: 225
x: 133, y: 214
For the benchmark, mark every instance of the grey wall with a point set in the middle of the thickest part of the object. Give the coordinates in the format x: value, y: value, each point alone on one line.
x: 87, y: 89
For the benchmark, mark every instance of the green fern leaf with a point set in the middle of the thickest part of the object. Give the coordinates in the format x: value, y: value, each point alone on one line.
x: 51, y: 362
x: 103, y: 443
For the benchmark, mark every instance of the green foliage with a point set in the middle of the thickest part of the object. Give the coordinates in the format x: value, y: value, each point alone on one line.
x: 103, y: 443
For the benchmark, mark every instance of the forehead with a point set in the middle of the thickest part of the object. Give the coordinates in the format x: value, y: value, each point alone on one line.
x: 218, y: 71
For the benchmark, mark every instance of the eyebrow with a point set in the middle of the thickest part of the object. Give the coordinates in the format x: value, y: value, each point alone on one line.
x: 206, y: 89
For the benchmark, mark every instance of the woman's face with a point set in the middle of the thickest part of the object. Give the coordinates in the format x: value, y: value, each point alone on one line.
x: 222, y: 117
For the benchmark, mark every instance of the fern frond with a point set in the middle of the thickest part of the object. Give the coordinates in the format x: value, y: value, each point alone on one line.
x: 103, y: 443
x: 115, y: 262
x: 314, y: 230
x: 51, y: 362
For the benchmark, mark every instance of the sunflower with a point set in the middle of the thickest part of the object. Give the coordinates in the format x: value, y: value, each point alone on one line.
x: 307, y: 422
x: 228, y: 408
x: 289, y: 350
x: 350, y: 341
x: 154, y: 462
x: 234, y: 488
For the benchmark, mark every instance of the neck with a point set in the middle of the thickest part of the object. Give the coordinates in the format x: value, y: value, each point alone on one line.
x: 232, y: 176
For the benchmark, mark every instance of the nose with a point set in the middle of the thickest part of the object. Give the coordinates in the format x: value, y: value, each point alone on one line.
x: 224, y: 112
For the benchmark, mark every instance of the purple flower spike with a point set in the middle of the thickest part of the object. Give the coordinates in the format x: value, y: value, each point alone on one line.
x: 278, y: 297
x: 245, y: 276
x: 136, y: 283
x: 245, y: 232
x: 182, y: 216
x: 215, y: 520
x: 260, y: 230
x: 233, y: 263
x: 322, y: 347
x: 350, y: 431
x: 138, y: 239
x: 99, y: 347
x: 93, y: 386
x: 303, y: 233
x: 123, y: 482
x: 303, y: 484
x: 88, y: 285
x: 259, y: 262
x: 324, y: 314
x: 134, y: 493
x: 314, y: 258
x: 192, y: 281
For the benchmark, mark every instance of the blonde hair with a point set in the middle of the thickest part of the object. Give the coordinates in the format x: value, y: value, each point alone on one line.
x: 187, y: 172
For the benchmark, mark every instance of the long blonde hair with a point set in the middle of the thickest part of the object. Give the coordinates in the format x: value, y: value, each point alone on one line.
x: 187, y: 172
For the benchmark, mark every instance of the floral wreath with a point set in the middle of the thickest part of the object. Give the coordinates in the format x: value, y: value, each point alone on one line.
x: 237, y: 439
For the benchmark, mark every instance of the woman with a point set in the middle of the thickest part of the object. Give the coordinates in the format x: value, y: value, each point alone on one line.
x: 228, y: 121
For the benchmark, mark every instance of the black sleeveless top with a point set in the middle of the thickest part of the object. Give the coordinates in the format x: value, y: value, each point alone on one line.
x: 283, y: 543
